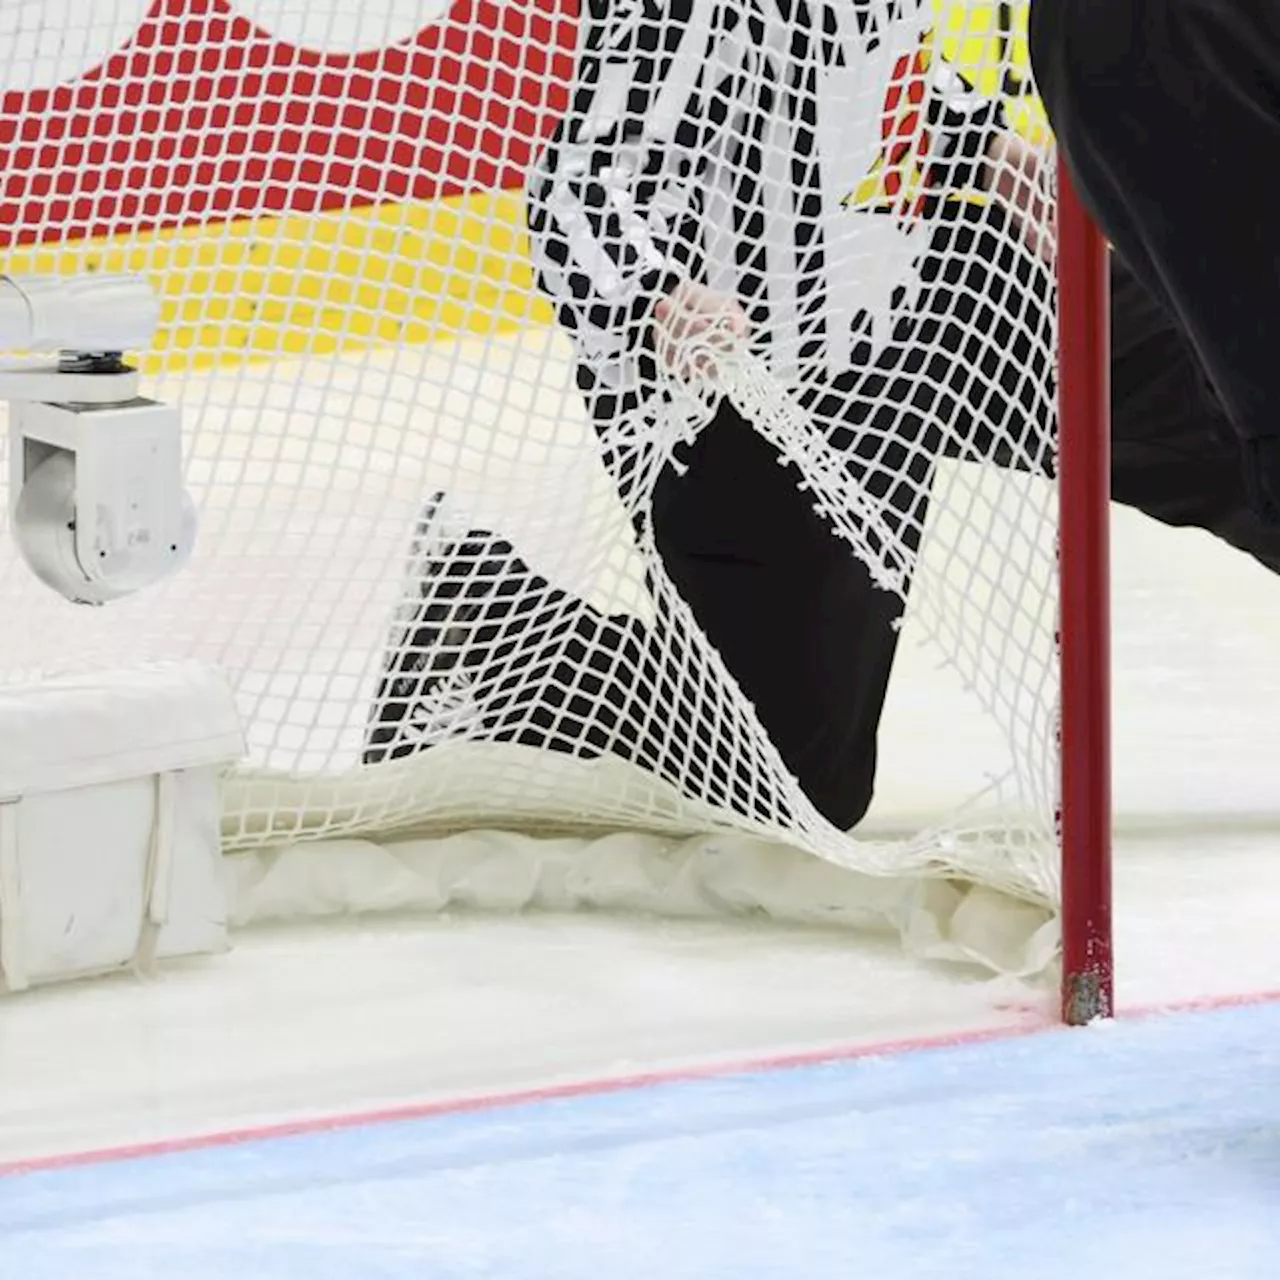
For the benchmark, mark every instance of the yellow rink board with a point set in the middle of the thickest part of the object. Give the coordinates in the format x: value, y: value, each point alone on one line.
x: 413, y: 272
x: 315, y: 284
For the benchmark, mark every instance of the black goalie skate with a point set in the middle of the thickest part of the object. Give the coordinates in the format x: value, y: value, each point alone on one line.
x: 484, y: 648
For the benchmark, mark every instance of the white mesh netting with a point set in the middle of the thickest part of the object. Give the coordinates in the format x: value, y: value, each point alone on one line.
x: 434, y: 581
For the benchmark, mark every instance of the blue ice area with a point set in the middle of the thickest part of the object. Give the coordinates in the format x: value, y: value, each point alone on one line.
x: 1138, y: 1150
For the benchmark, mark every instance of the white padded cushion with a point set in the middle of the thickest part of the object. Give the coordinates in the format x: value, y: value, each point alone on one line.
x: 82, y: 730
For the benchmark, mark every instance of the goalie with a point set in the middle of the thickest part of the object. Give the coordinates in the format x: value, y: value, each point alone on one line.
x: 813, y: 180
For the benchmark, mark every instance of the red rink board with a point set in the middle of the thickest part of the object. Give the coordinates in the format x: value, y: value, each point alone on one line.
x: 204, y: 117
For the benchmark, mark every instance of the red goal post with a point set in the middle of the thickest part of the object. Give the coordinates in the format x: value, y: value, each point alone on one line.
x: 1084, y: 460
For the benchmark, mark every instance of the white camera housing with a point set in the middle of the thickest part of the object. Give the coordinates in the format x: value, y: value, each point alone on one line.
x: 97, y: 506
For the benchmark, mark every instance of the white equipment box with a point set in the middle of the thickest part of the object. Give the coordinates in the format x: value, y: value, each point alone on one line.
x: 110, y: 843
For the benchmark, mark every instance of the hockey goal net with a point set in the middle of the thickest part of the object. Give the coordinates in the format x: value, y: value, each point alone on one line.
x: 431, y: 580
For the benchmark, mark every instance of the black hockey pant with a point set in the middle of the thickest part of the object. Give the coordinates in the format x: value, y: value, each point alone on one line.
x: 1168, y: 113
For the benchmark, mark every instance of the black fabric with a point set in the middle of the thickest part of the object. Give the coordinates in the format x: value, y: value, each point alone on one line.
x: 1174, y: 453
x: 1168, y: 114
x: 795, y: 615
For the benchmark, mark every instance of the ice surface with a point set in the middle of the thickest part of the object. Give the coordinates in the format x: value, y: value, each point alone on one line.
x: 1145, y: 1149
